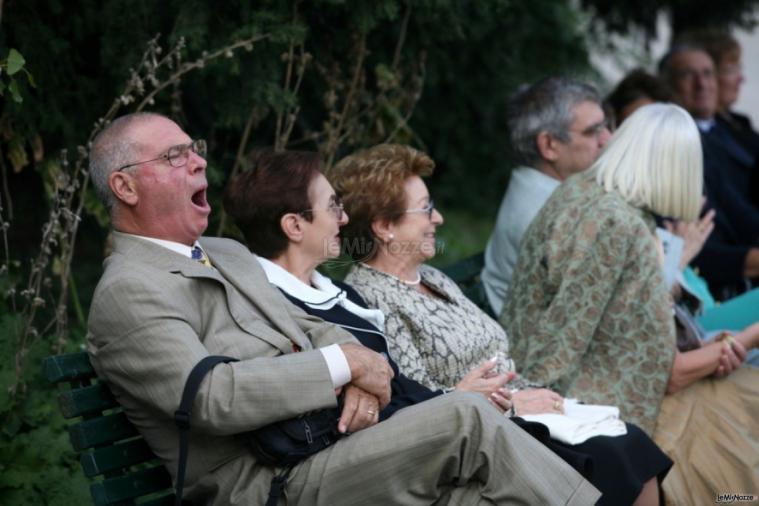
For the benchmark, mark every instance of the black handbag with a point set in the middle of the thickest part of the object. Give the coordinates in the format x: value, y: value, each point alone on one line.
x: 288, y: 442
x: 280, y: 444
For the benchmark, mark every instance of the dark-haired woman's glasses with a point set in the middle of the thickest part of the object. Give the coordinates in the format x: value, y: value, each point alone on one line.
x: 336, y: 208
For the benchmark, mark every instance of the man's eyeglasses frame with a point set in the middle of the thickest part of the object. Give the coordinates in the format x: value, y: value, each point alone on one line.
x: 177, y: 156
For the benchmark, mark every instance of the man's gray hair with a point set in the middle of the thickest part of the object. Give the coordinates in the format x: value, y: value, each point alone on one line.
x: 545, y: 106
x: 112, y: 148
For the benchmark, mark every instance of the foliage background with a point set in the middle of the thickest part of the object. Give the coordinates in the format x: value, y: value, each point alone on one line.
x: 433, y: 73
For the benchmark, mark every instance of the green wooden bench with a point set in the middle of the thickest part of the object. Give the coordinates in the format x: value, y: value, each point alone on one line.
x: 466, y: 274
x: 112, y: 453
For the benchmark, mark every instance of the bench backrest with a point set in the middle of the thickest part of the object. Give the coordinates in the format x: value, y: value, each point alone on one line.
x: 466, y: 274
x: 112, y: 453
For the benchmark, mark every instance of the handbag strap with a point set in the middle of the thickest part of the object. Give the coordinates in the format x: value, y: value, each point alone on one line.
x: 182, y: 415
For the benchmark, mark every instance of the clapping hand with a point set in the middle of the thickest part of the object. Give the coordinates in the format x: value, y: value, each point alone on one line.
x: 693, y: 233
x: 733, y: 355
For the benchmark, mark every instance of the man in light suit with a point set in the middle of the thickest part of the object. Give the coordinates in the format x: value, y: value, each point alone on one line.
x: 557, y: 129
x: 157, y: 311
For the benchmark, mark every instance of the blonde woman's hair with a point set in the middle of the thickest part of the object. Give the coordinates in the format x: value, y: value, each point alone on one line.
x: 654, y: 161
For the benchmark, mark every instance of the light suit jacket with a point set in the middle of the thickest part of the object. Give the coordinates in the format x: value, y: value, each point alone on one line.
x: 155, y: 314
x: 527, y: 193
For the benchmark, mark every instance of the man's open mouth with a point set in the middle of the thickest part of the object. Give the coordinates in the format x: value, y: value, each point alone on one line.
x: 199, y: 198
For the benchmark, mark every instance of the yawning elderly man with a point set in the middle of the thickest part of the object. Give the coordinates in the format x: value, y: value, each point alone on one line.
x: 157, y: 311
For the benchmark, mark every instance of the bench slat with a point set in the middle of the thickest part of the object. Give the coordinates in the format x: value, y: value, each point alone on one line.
x: 467, y: 270
x: 68, y: 367
x: 118, y: 456
x: 476, y: 293
x: 167, y: 500
x: 98, y: 431
x: 136, y: 484
x: 86, y: 400
x: 106, y: 434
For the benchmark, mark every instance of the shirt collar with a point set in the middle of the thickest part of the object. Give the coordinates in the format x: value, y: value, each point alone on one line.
x: 323, y: 295
x: 536, y: 176
x: 705, y: 125
x: 176, y: 247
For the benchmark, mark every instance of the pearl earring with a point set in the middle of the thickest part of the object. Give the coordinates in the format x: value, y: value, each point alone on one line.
x: 390, y: 237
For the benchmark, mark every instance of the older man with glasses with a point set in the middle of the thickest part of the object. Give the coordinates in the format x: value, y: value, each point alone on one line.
x: 730, y: 258
x: 157, y: 312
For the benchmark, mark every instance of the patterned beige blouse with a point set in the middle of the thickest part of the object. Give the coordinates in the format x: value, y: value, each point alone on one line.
x: 588, y: 312
x: 434, y: 340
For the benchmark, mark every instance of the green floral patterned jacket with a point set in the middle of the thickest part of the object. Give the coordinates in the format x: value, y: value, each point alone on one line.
x: 588, y: 312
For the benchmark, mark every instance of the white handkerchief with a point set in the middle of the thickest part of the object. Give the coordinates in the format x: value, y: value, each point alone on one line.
x: 581, y: 422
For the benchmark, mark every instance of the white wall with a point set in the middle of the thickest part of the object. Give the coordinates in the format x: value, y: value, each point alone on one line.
x: 748, y: 101
x: 630, y: 52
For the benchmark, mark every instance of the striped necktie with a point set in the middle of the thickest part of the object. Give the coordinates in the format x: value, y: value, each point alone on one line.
x: 200, y: 255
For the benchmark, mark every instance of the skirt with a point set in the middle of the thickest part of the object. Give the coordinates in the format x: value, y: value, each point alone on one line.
x: 711, y: 430
x: 618, y: 466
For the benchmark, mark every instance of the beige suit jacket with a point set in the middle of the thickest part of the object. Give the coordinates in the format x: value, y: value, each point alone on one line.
x: 155, y: 314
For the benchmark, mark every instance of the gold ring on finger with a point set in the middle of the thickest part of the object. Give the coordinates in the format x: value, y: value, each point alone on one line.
x: 556, y: 405
x: 371, y: 412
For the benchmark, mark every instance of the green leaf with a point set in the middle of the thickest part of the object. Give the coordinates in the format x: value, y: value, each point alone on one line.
x: 15, y: 62
x: 15, y: 93
x: 2, y: 88
x: 30, y: 78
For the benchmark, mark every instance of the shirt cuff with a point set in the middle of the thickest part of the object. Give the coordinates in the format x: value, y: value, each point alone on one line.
x: 339, y: 370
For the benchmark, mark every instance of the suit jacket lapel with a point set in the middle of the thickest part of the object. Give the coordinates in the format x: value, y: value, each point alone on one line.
x: 172, y: 262
x: 246, y: 275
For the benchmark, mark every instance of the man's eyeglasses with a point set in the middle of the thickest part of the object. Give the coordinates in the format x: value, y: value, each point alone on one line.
x: 426, y: 209
x: 177, y: 156
x: 335, y: 207
x: 595, y: 130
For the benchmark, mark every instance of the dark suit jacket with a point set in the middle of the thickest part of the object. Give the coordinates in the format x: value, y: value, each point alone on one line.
x: 405, y: 391
x: 728, y: 173
x: 740, y: 126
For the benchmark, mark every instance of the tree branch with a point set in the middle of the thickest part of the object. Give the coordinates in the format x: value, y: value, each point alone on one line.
x: 199, y: 63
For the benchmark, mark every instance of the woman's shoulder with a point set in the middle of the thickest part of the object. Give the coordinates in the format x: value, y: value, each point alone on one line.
x: 360, y: 275
x: 615, y: 213
x: 565, y: 203
x: 367, y: 283
x: 439, y: 280
x: 581, y: 216
x: 581, y: 200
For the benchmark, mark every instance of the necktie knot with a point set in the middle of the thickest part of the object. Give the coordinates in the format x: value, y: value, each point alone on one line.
x: 200, y: 255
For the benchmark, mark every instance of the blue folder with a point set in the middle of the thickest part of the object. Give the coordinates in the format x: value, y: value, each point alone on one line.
x: 734, y: 314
